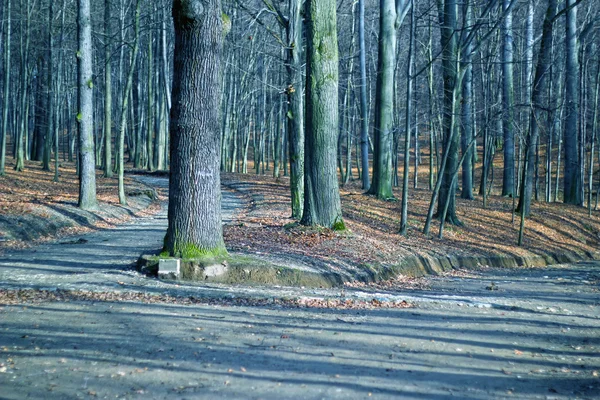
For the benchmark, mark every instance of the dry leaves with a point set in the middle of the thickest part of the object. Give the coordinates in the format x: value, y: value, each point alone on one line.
x: 32, y: 296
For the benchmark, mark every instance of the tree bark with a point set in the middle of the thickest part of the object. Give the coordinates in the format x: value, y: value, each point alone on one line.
x: 108, y: 172
x: 322, y: 204
x: 6, y: 90
x: 124, y: 109
x: 467, y: 111
x: 508, y: 178
x: 451, y: 137
x: 572, y: 175
x: 391, y: 14
x: 364, y: 111
x: 87, y: 169
x: 194, y: 216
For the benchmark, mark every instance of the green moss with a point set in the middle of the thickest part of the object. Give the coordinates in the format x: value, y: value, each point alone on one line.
x: 291, y: 225
x: 190, y: 250
x: 226, y: 23
x: 339, y: 225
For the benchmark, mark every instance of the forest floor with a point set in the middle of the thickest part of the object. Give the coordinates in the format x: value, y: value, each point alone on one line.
x: 372, y: 244
x: 77, y: 321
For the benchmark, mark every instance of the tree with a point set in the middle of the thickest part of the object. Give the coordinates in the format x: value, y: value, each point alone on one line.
x: 322, y: 204
x: 6, y: 90
x: 364, y: 110
x: 295, y: 113
x: 508, y: 102
x: 449, y: 40
x: 572, y: 179
x: 87, y: 172
x: 108, y: 172
x: 194, y: 187
x: 392, y: 13
x: 124, y: 107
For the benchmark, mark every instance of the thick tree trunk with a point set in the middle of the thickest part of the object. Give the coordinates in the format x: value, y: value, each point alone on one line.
x: 87, y: 169
x: 195, y: 228
x: 322, y: 204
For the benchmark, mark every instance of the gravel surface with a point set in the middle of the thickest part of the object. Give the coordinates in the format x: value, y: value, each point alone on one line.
x: 76, y: 321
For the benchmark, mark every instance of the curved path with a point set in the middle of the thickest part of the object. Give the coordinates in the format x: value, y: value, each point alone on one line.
x: 531, y: 334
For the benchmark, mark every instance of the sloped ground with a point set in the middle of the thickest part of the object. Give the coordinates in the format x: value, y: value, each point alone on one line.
x: 373, y: 249
x: 35, y: 208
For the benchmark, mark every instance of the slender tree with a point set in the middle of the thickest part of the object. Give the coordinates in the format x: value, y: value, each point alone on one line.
x: 87, y: 172
x: 392, y: 13
x: 508, y: 102
x: 108, y: 172
x: 6, y: 90
x: 364, y: 110
x: 295, y: 113
x: 124, y: 107
x: 572, y: 176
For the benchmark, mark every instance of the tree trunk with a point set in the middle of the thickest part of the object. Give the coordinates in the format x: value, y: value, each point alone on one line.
x: 322, y: 204
x: 364, y: 111
x: 537, y: 95
x: 295, y: 113
x: 6, y: 89
x: 408, y: 127
x: 108, y: 172
x: 124, y: 109
x: 572, y: 176
x: 195, y: 228
x: 508, y: 178
x: 451, y: 137
x: 467, y: 111
x: 381, y: 185
x: 87, y: 169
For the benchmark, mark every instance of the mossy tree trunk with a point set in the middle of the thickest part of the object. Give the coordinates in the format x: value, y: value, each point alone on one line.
x: 194, y: 188
x: 322, y: 204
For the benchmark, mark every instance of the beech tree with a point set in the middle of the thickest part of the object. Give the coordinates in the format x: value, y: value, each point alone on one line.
x: 392, y: 14
x: 322, y: 204
x: 572, y: 179
x: 194, y: 186
x: 87, y: 168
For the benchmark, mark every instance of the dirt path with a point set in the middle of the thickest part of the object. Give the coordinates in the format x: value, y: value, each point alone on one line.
x: 490, y: 334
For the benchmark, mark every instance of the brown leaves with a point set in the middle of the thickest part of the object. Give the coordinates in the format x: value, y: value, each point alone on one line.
x: 31, y: 296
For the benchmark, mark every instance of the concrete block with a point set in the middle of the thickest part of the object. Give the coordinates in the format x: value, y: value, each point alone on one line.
x: 169, y: 268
